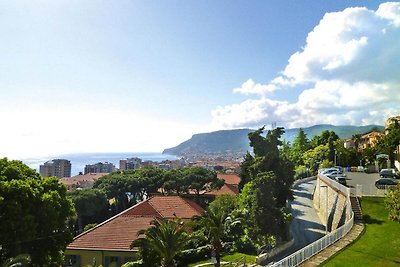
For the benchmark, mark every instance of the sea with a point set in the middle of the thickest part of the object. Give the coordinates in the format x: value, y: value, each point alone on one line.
x: 80, y: 160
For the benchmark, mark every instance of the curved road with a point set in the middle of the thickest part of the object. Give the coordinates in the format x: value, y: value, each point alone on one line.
x: 306, y: 226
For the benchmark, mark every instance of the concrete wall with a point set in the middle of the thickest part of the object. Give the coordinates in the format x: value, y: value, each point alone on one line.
x: 331, y: 202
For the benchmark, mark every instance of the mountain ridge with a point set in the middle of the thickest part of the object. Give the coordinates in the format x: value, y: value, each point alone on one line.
x: 236, y: 140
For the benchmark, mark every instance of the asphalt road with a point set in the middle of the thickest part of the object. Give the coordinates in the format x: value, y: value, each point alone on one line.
x: 367, y: 182
x: 306, y: 226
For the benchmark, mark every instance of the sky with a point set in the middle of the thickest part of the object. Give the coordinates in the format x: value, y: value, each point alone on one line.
x: 139, y: 76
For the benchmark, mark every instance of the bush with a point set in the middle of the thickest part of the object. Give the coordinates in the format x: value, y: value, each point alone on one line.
x: 302, y: 172
x: 193, y: 255
x: 138, y: 263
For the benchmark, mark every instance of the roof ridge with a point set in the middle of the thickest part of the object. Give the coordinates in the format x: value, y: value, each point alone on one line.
x: 110, y: 219
x: 155, y: 207
x: 189, y: 202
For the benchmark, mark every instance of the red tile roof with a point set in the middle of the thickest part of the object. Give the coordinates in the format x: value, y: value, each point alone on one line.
x: 226, y: 189
x: 91, y: 177
x: 175, y: 206
x: 229, y: 178
x: 118, y: 232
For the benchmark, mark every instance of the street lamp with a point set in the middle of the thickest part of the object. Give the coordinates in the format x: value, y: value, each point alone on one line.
x: 326, y: 207
x: 335, y: 157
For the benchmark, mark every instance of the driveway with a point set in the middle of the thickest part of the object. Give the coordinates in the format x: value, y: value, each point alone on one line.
x: 306, y: 226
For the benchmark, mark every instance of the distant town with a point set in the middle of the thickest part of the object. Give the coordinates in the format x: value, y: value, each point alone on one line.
x: 61, y: 168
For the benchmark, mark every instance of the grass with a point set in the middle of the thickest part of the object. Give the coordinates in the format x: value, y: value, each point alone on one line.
x: 230, y: 258
x: 380, y: 243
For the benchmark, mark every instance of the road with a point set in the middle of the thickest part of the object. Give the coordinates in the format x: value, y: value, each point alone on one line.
x: 306, y: 226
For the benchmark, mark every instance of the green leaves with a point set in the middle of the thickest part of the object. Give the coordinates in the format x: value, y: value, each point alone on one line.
x: 165, y: 238
x: 33, y: 215
x: 392, y: 202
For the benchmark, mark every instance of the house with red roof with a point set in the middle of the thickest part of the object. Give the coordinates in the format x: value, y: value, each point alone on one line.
x: 230, y: 186
x: 80, y: 181
x: 108, y: 243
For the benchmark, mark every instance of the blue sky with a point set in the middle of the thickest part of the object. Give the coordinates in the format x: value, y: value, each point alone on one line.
x: 107, y: 76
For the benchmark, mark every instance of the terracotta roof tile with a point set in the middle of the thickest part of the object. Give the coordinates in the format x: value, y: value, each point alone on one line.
x: 226, y: 189
x: 118, y: 232
x: 229, y: 178
x: 175, y: 206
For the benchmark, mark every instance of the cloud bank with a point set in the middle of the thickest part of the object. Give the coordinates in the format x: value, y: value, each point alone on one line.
x: 350, y: 67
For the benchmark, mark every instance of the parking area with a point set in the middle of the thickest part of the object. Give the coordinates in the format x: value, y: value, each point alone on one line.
x: 367, y: 182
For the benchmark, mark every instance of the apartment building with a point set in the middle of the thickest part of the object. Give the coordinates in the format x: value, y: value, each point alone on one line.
x: 131, y: 163
x: 56, y: 167
x: 99, y: 167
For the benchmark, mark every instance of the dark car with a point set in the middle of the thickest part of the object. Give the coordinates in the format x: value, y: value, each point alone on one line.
x: 385, y: 182
x: 389, y: 173
x: 341, y: 180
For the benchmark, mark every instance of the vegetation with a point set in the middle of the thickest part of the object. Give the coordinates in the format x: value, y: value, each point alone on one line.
x: 216, y: 223
x: 191, y: 179
x: 89, y: 203
x: 161, y: 243
x: 266, y: 180
x: 392, y: 202
x: 33, y: 215
x: 237, y: 140
x: 379, y: 245
x: 234, y: 258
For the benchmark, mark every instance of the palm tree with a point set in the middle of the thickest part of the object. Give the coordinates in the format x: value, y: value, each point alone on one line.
x: 216, y: 222
x: 166, y: 238
x: 20, y: 260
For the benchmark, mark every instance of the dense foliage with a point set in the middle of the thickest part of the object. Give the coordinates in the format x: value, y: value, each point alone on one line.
x: 161, y: 243
x: 33, y: 215
x: 267, y: 177
x: 392, y: 203
x: 90, y: 204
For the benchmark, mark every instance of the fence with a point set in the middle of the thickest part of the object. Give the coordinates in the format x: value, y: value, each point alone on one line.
x: 322, y: 243
x: 319, y: 245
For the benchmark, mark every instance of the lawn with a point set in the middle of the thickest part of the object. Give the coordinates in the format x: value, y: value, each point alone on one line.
x: 379, y: 245
x: 231, y: 258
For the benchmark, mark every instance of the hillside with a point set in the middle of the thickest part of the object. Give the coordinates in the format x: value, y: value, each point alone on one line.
x: 237, y: 141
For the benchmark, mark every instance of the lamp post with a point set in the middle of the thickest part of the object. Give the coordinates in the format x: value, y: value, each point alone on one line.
x: 326, y: 208
x: 335, y: 157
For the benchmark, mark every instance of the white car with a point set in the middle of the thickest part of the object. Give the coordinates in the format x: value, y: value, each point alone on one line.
x: 328, y: 171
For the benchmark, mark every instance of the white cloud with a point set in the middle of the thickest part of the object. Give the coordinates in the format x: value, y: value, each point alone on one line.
x: 250, y: 87
x: 350, y: 67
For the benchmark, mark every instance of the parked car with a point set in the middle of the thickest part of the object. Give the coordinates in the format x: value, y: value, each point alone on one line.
x: 335, y: 174
x: 341, y: 180
x: 328, y: 171
x: 389, y: 173
x: 385, y: 182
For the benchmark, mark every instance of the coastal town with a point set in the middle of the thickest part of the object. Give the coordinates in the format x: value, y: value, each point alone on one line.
x: 199, y: 133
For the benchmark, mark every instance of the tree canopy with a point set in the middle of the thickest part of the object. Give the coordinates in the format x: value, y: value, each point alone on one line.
x: 33, y: 215
x: 161, y: 242
x: 268, y: 177
x: 88, y: 203
x: 392, y: 202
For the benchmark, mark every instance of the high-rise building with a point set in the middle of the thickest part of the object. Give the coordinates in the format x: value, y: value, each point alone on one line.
x: 132, y: 163
x: 56, y: 167
x: 100, y: 167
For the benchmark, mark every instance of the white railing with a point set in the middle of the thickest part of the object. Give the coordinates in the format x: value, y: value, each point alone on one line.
x: 312, y: 249
x: 317, y: 246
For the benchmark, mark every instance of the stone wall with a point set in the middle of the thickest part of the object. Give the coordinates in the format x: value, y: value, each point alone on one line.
x: 331, y: 202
